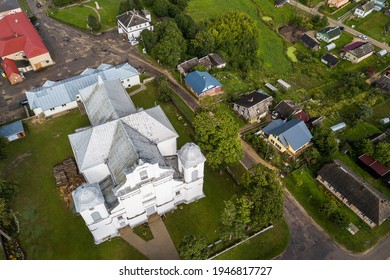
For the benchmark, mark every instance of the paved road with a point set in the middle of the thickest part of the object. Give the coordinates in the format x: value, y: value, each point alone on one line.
x: 332, y: 22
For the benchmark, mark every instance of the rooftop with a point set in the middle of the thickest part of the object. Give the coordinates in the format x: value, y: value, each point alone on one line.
x: 18, y: 34
x: 253, y: 98
x: 11, y: 129
x: 201, y: 81
x: 132, y: 18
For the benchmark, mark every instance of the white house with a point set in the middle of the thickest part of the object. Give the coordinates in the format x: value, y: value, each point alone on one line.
x: 131, y: 163
x: 56, y: 97
x: 364, y: 10
x: 133, y: 22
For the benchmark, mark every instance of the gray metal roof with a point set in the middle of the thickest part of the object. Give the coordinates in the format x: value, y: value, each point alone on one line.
x: 94, y: 146
x: 294, y: 132
x: 105, y: 101
x: 7, y: 5
x: 55, y: 94
x: 11, y: 129
x: 87, y: 196
x: 190, y: 155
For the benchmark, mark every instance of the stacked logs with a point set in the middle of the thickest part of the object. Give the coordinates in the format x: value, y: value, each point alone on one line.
x: 67, y: 179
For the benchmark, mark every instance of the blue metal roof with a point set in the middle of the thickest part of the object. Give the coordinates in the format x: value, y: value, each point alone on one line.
x: 294, y: 132
x: 201, y: 81
x: 11, y: 129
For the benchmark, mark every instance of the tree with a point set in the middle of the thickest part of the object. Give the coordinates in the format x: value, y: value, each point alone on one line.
x: 312, y: 155
x: 149, y: 39
x: 164, y: 91
x: 186, y: 25
x: 125, y: 6
x: 3, y: 148
x: 193, y: 248
x: 93, y: 23
x: 160, y: 8
x: 5, y: 214
x: 208, y: 104
x: 263, y: 189
x: 364, y: 111
x: 367, y: 147
x: 324, y: 140
x: 382, y: 152
x: 167, y: 52
x: 231, y: 226
x: 181, y: 4
x: 319, y: 22
x: 202, y: 44
x: 217, y: 136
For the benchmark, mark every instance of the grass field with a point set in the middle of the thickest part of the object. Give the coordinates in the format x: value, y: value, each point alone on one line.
x: 48, y: 230
x: 271, y: 45
x: 77, y: 15
x: 373, y: 25
x: 258, y: 248
x: 310, y: 197
x: 360, y: 131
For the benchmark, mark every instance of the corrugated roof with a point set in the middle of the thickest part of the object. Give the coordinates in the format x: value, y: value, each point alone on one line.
x: 11, y: 129
x: 132, y: 18
x: 286, y: 108
x: 18, y: 34
x: 65, y: 91
x: 378, y: 168
x: 201, y: 81
x: 106, y: 101
x: 7, y: 5
x: 294, y: 133
x: 358, y: 192
x: 331, y: 32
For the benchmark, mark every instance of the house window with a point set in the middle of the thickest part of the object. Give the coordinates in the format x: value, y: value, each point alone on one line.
x: 63, y: 105
x: 96, y: 216
x: 178, y: 193
x: 194, y: 175
x: 47, y: 61
x: 144, y: 175
x: 128, y: 80
x: 52, y: 109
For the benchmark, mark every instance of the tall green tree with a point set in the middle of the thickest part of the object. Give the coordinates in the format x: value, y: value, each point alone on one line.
x: 263, y: 189
x: 187, y: 25
x: 231, y: 226
x: 382, y: 152
x: 161, y: 8
x: 193, y: 248
x: 324, y: 140
x: 202, y: 44
x: 217, y: 135
x: 164, y: 91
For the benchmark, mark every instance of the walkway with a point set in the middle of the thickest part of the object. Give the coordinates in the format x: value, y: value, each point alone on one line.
x: 251, y: 157
x: 160, y: 247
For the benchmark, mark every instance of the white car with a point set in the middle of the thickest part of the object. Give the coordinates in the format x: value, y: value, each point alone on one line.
x: 363, y: 37
x: 133, y: 42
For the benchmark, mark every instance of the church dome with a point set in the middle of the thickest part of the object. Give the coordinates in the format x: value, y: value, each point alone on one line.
x: 190, y: 155
x: 87, y: 196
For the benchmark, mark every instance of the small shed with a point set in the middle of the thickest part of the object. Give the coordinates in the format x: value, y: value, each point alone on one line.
x: 338, y: 126
x: 284, y: 84
x: 12, y: 131
x: 381, y: 53
x: 385, y: 121
x: 330, y: 46
x: 271, y: 87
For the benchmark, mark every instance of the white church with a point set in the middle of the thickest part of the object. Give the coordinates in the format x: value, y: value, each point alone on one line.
x: 130, y: 161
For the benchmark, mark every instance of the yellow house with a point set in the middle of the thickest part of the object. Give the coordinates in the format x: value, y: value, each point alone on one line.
x: 292, y: 136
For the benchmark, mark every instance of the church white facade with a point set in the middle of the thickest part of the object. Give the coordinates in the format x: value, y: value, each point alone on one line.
x: 130, y: 161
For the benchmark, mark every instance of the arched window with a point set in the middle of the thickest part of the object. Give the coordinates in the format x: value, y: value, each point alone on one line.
x: 96, y: 216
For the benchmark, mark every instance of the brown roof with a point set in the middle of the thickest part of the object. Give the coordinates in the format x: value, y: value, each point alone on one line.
x: 132, y: 18
x: 374, y: 165
x: 360, y: 193
x: 286, y: 108
x: 362, y: 50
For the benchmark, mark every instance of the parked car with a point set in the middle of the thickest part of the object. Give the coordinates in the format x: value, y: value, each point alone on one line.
x: 341, y: 27
x: 363, y: 37
x: 39, y: 5
x: 133, y: 42
x: 23, y: 103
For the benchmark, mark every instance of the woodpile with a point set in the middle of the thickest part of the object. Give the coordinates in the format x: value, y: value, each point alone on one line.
x: 67, y: 179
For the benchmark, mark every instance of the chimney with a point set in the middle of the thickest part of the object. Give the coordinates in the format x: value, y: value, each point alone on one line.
x: 16, y: 20
x: 204, y: 78
x: 251, y: 100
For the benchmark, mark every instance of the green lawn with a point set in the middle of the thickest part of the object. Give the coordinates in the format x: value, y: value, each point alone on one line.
x: 271, y: 45
x: 48, y: 230
x: 77, y: 15
x: 373, y: 25
x: 310, y: 196
x: 360, y: 131
x: 382, y: 110
x: 258, y: 248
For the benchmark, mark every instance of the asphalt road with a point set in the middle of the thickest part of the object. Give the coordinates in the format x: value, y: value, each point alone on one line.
x: 332, y: 22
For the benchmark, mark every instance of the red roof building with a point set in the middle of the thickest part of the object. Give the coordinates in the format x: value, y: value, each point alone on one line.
x: 377, y: 168
x: 20, y: 41
x: 12, y: 71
